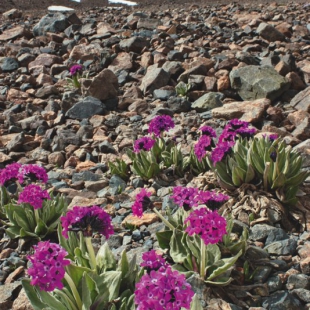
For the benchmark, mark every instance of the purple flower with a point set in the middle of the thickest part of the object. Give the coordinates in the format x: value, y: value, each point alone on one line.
x: 273, y: 156
x: 246, y: 132
x: 272, y: 137
x: 209, y: 225
x: 76, y: 69
x: 186, y: 197
x: 88, y: 220
x: 202, y: 146
x: 220, y: 151
x: 34, y: 195
x: 144, y: 143
x: 208, y: 131
x: 9, y: 172
x: 34, y: 172
x: 227, y: 135
x: 163, y: 289
x: 212, y: 199
x: 160, y: 123
x: 152, y: 260
x: 142, y: 203
x: 237, y: 124
x: 48, y: 262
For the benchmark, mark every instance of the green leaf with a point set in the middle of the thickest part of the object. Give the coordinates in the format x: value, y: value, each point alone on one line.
x: 109, y: 281
x: 76, y: 273
x: 163, y: 238
x: 178, y: 251
x: 238, y: 176
x: 89, y: 290
x: 196, y: 304
x: 105, y: 258
x: 51, y: 301
x: 32, y: 295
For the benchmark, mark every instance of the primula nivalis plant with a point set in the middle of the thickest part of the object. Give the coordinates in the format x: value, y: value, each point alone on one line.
x: 47, y: 269
x: 29, y: 210
x: 152, y: 261
x: 144, y: 143
x: 142, y: 203
x: 76, y: 72
x: 163, y: 289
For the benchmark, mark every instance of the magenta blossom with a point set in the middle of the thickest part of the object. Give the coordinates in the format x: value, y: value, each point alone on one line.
x: 220, y: 151
x: 152, y: 260
x: 208, y: 131
x: 202, y: 146
x: 160, y: 123
x: 144, y: 143
x: 209, y: 225
x: 88, y: 220
x: 10, y: 172
x: 34, y: 195
x: 272, y: 137
x: 142, y: 203
x: 212, y: 199
x: 48, y: 262
x: 186, y: 197
x: 163, y: 289
x: 75, y: 69
x: 34, y: 172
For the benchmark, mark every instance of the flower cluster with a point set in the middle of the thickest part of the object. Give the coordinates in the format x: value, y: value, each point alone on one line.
x: 76, y: 69
x: 142, y: 203
x: 160, y: 123
x: 186, y: 197
x: 88, y: 220
x: 212, y: 200
x: 48, y: 262
x: 34, y: 172
x: 208, y: 131
x: 20, y: 172
x: 209, y: 225
x: 34, y: 195
x: 144, y: 143
x: 10, y: 172
x: 152, y: 260
x: 232, y: 130
x: 202, y: 146
x: 163, y: 289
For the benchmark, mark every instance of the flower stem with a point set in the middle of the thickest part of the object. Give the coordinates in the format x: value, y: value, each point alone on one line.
x: 76, y: 82
x: 163, y: 219
x: 203, y: 258
x: 74, y: 291
x: 36, y: 215
x: 91, y: 253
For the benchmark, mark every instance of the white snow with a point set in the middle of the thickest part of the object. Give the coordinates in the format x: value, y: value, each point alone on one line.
x: 59, y: 8
x: 123, y: 2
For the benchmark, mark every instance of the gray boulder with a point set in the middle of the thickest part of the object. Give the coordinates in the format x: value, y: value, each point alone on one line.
x: 208, y: 102
x: 254, y: 82
x: 56, y: 22
x: 86, y: 108
x: 270, y: 33
x: 9, y: 64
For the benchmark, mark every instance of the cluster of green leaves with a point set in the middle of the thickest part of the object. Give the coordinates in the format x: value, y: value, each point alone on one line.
x: 285, y: 174
x: 182, y: 89
x: 120, y: 168
x: 23, y: 221
x: 109, y: 286
x: 185, y: 251
x: 163, y: 155
x: 261, y: 161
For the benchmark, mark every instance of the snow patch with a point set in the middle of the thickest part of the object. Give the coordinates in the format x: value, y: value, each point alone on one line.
x: 123, y: 2
x: 59, y: 8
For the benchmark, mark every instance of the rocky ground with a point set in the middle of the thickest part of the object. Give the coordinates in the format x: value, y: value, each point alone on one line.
x: 245, y: 61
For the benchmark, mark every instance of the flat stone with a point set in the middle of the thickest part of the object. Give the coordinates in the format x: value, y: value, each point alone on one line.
x: 298, y: 281
x: 302, y: 100
x: 146, y: 219
x: 13, y: 33
x: 302, y: 294
x: 281, y: 300
x: 284, y: 247
x: 22, y: 302
x: 270, y: 33
x: 86, y: 202
x: 249, y: 111
x: 7, y: 291
x: 207, y: 102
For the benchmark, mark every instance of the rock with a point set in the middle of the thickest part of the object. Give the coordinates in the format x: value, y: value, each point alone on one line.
x: 249, y: 111
x: 254, y: 82
x: 274, y: 283
x: 146, y: 219
x: 103, y: 86
x: 302, y: 100
x: 86, y: 202
x: 16, y: 143
x: 178, y: 104
x: 301, y: 120
x: 302, y: 294
x: 12, y: 14
x: 147, y: 23
x: 268, y: 32
x: 56, y: 22
x: 46, y: 60
x: 9, y: 64
x: 260, y: 231
x: 86, y: 52
x: 85, y: 176
x: 22, y: 302
x: 281, y: 300
x: 154, y: 78
x: 207, y: 102
x: 284, y: 247
x: 7, y: 292
x: 13, y: 33
x: 134, y: 44
x: 298, y: 281
x: 86, y: 108
x: 117, y: 185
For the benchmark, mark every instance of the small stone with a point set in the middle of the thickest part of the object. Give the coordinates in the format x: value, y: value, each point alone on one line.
x: 22, y: 302
x: 146, y: 219
x: 302, y: 294
x: 298, y: 281
x: 208, y: 102
x: 274, y: 283
x: 281, y: 300
x: 284, y: 247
